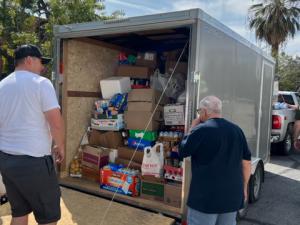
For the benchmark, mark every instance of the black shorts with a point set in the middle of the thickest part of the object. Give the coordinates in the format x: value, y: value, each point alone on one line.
x: 31, y: 186
x: 297, y: 115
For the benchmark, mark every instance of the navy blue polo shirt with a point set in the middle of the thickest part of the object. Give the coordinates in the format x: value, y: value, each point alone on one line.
x: 217, y: 148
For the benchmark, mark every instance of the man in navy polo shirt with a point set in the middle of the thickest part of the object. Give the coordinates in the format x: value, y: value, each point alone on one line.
x: 221, y: 166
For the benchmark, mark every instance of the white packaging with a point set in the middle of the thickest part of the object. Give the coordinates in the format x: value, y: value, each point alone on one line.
x: 174, y: 115
x: 108, y: 124
x: 114, y: 85
x: 153, y: 161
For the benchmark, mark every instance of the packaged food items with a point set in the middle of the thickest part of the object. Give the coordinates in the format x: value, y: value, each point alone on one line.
x: 75, y: 168
x: 139, y: 143
x: 173, y: 173
x: 117, y: 178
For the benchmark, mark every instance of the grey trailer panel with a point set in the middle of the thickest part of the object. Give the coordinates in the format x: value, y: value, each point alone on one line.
x: 265, y: 116
x: 232, y: 71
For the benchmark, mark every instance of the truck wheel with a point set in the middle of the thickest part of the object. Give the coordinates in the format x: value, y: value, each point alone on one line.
x: 255, y: 184
x: 286, y: 146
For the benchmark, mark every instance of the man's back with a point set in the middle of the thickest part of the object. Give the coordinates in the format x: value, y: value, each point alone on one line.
x: 23, y: 127
x: 217, y: 148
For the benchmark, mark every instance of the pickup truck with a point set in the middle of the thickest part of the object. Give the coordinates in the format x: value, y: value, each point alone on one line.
x: 282, y: 123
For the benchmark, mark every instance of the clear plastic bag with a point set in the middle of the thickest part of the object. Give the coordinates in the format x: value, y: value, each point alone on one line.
x: 175, y: 87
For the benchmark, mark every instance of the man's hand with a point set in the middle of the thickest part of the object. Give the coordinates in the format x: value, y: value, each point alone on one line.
x: 294, y: 107
x: 195, y: 122
x: 59, y: 154
x: 297, y: 144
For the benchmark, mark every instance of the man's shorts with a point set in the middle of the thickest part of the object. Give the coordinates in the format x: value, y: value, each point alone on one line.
x: 31, y: 186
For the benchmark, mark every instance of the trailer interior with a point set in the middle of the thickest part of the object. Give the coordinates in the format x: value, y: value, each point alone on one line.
x: 87, y: 60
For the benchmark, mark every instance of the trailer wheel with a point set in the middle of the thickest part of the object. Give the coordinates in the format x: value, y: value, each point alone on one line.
x: 255, y: 183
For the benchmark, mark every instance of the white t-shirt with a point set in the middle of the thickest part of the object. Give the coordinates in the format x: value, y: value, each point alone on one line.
x: 24, y: 130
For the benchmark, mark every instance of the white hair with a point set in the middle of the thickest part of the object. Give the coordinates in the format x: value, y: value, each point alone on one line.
x: 212, y: 104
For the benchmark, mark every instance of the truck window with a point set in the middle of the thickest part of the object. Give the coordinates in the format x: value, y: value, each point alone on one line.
x: 286, y: 98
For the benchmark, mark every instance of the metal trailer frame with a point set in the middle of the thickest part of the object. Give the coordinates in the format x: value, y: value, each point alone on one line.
x: 202, y: 25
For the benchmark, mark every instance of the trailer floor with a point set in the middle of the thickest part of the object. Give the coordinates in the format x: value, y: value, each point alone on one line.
x: 93, y: 188
x: 83, y: 209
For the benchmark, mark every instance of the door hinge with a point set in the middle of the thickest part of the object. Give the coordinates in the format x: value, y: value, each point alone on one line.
x: 196, y: 76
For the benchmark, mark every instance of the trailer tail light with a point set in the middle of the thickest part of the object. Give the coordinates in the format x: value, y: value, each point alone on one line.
x: 276, y: 122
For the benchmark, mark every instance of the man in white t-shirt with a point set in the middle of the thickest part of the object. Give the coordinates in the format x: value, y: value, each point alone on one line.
x: 30, y: 117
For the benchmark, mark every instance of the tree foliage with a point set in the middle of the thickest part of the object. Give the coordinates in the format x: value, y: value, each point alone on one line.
x: 31, y: 21
x: 289, y: 73
x: 274, y: 21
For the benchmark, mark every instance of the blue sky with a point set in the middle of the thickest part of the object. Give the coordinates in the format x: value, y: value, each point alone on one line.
x: 232, y: 13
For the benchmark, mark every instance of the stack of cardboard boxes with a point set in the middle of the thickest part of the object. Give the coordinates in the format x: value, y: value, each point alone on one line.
x: 141, y: 105
x: 97, y: 153
x: 140, y: 72
x: 145, y: 115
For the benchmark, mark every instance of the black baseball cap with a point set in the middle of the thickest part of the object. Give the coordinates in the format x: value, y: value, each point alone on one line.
x: 30, y: 50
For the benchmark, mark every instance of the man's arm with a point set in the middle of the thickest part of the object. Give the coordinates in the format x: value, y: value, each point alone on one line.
x: 191, y: 143
x: 56, y: 124
x: 246, y: 176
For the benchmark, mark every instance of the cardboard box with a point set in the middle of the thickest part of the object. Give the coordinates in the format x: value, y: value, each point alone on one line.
x: 95, y: 158
x: 90, y: 174
x: 143, y: 106
x: 127, y: 163
x: 137, y: 120
x: 174, y: 114
x: 109, y: 139
x: 152, y: 188
x: 126, y: 153
x: 114, y: 85
x: 146, y: 95
x: 108, y: 124
x: 120, y: 182
x: 172, y: 194
x: 134, y: 71
x: 148, y: 59
x: 182, y: 67
x: 172, y: 55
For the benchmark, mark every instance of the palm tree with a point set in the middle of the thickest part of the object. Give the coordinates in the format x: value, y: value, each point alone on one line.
x: 274, y: 21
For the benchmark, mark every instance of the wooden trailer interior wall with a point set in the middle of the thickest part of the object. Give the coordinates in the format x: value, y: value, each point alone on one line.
x: 85, y: 63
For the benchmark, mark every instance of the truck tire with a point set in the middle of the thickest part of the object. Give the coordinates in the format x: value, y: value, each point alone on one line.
x: 255, y: 183
x: 286, y: 146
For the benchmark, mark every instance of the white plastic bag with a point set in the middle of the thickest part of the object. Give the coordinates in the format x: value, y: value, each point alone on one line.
x: 175, y: 86
x: 153, y: 161
x: 182, y: 97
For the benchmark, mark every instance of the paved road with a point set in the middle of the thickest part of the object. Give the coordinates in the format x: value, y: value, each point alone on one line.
x: 280, y: 200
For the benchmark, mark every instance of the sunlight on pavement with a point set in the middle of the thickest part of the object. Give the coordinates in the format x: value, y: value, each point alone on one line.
x: 283, y: 171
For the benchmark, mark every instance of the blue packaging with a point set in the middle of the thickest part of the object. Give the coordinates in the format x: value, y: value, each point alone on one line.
x: 139, y: 143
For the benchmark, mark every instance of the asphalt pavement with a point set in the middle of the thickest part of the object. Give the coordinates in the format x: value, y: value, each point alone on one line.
x: 279, y: 203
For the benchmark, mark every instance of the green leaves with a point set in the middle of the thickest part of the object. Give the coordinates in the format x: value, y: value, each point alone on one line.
x: 32, y: 21
x: 289, y: 73
x: 274, y: 21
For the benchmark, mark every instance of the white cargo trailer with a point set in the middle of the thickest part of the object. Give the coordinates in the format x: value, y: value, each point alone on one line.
x: 220, y: 62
